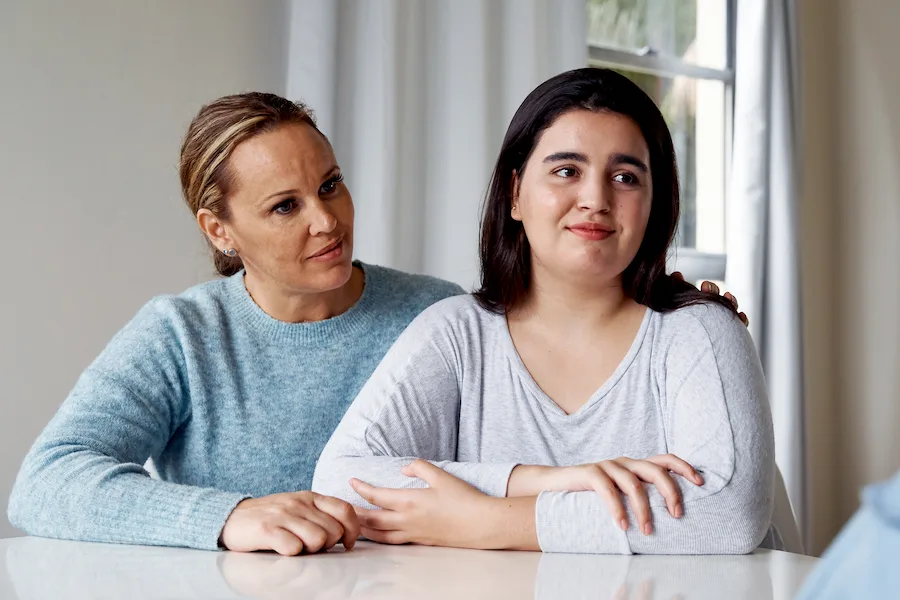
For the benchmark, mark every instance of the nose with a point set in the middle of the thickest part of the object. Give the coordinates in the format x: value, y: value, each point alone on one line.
x: 595, y: 195
x: 322, y: 221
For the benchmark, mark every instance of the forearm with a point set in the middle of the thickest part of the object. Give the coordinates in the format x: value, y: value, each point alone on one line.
x: 333, y: 475
x: 509, y: 524
x: 725, y: 523
x: 83, y: 495
x: 527, y: 480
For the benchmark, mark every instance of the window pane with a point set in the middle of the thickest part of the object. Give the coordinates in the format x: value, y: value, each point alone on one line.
x: 694, y: 109
x: 693, y: 30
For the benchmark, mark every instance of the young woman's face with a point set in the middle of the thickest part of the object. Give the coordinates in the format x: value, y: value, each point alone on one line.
x: 584, y: 197
x: 291, y: 216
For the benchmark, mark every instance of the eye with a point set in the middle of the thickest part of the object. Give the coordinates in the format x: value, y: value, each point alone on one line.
x: 285, y: 207
x: 566, y: 172
x: 626, y: 178
x: 330, y: 186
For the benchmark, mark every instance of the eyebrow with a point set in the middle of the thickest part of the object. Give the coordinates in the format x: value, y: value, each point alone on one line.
x: 627, y: 159
x: 615, y: 159
x: 558, y: 156
x: 330, y: 171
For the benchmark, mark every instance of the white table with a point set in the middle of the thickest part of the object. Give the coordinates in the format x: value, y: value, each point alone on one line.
x: 39, y: 569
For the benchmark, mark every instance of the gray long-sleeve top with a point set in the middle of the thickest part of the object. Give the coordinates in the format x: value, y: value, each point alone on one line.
x: 453, y: 390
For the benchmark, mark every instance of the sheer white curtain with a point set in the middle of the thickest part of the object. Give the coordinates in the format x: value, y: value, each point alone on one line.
x: 762, y: 230
x: 416, y: 96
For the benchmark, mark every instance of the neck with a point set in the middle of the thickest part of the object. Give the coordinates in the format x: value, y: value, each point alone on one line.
x: 303, y: 307
x: 570, y: 306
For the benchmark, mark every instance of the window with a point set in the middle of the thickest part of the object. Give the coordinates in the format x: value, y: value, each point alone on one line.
x: 681, y: 52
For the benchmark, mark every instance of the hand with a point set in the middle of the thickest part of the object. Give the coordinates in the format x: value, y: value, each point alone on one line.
x: 449, y: 512
x: 290, y: 523
x: 711, y: 288
x: 608, y: 478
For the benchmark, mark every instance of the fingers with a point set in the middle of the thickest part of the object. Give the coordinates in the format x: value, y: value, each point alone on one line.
x: 658, y: 476
x: 730, y: 297
x: 744, y: 319
x: 423, y: 470
x: 709, y: 287
x: 308, y: 532
x: 383, y: 526
x: 385, y: 537
x: 677, y: 465
x: 385, y: 520
x: 678, y: 276
x: 601, y: 483
x: 284, y: 542
x: 632, y: 487
x: 383, y: 497
x: 344, y: 514
x: 334, y: 531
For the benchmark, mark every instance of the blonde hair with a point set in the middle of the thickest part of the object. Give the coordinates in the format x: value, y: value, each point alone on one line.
x: 210, y: 141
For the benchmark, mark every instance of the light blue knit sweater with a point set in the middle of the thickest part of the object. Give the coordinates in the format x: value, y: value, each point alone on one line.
x: 227, y: 402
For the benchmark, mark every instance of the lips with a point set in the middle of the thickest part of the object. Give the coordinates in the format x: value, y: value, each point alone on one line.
x: 592, y: 231
x: 332, y: 246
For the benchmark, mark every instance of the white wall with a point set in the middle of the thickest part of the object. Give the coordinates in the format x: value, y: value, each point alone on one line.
x: 850, y: 218
x: 867, y: 211
x: 817, y: 228
x: 95, y: 96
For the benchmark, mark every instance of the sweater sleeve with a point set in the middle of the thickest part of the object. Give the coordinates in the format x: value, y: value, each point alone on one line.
x: 717, y: 418
x: 84, y: 479
x: 408, y: 409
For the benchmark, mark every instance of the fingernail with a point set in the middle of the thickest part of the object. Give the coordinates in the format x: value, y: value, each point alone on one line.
x: 648, y: 529
x: 679, y: 511
x: 624, y: 524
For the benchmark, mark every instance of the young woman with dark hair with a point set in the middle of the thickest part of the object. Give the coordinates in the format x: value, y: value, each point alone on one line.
x: 545, y: 403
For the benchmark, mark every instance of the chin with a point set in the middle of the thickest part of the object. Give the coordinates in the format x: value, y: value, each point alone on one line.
x: 332, y: 277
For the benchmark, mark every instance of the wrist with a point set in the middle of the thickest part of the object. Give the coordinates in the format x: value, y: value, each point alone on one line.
x: 527, y: 480
x: 508, y: 524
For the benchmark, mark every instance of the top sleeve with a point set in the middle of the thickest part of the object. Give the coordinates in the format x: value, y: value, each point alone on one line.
x: 84, y: 479
x: 717, y: 418
x: 408, y: 409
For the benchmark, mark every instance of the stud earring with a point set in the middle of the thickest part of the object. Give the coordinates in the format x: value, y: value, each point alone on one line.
x: 230, y: 252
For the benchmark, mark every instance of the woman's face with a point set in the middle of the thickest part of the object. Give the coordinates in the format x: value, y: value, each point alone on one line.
x: 291, y: 216
x: 585, y: 195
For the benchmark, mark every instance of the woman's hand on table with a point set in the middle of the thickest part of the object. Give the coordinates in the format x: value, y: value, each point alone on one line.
x: 449, y: 512
x: 290, y: 523
x: 611, y: 479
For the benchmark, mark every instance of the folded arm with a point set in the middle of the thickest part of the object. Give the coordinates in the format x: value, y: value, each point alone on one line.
x: 408, y: 409
x: 718, y: 420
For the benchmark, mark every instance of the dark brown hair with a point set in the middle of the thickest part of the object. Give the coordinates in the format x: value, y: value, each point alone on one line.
x: 505, y: 251
x: 211, y: 139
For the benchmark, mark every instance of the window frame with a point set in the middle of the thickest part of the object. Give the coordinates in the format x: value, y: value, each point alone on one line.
x: 694, y: 264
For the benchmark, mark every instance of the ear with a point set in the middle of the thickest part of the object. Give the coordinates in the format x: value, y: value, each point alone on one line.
x: 214, y: 229
x: 514, y: 210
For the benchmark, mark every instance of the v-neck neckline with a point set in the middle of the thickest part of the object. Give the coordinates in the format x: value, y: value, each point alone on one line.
x: 594, y: 398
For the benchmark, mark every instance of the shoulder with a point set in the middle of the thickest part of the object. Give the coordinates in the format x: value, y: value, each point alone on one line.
x: 454, y: 322
x: 707, y: 338
x: 198, y: 305
x: 703, y: 326
x: 166, y: 319
x: 408, y: 292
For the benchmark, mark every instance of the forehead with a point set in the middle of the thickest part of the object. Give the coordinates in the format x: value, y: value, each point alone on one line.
x: 589, y: 132
x: 295, y: 150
